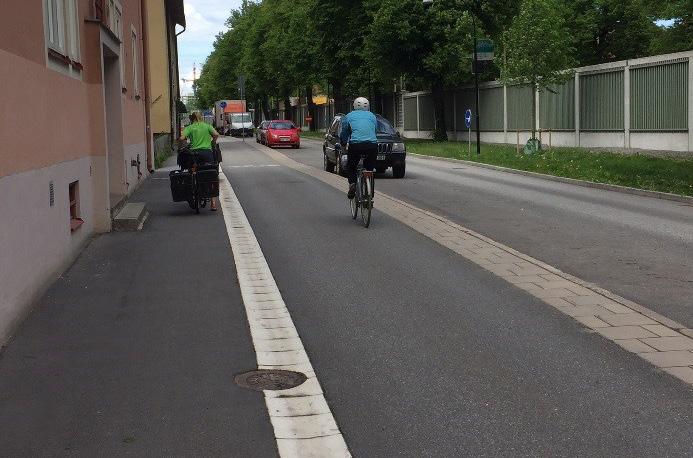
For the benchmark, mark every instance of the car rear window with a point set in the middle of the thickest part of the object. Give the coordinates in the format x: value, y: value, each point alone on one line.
x: 384, y: 126
x: 282, y: 125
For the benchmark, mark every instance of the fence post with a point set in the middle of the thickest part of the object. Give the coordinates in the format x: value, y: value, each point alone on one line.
x: 550, y: 139
x: 505, y: 113
x: 418, y: 115
x: 626, y: 106
x: 577, y: 109
x: 518, y: 141
x: 690, y: 104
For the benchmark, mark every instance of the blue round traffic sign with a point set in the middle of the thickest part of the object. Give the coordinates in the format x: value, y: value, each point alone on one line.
x: 222, y: 105
x: 468, y: 118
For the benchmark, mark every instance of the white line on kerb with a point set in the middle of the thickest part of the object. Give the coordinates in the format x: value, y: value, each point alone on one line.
x: 302, y: 421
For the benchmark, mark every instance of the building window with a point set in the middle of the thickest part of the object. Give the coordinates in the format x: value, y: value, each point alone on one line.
x: 62, y: 35
x: 135, y: 64
x: 75, y: 220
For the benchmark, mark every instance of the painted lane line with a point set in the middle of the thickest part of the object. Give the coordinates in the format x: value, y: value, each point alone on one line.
x: 663, y: 342
x: 301, y: 418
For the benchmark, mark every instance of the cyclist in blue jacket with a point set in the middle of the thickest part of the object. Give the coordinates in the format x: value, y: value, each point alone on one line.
x: 359, y: 131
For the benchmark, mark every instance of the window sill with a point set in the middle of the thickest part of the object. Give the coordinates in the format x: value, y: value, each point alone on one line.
x: 75, y: 223
x: 59, y: 56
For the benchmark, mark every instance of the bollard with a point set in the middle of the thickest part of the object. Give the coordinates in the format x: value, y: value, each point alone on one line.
x: 550, y: 140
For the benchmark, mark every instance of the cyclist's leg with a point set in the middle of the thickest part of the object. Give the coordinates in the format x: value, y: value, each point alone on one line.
x: 371, y: 152
x: 353, y: 157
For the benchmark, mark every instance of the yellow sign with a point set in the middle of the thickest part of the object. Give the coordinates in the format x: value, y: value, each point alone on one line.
x: 320, y: 99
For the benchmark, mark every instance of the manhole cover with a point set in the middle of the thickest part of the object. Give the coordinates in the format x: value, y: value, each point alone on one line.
x: 264, y: 379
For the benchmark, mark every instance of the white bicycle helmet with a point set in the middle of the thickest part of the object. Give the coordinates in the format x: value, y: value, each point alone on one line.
x: 362, y: 103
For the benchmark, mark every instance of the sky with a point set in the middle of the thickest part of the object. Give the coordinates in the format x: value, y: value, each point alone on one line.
x: 204, y: 18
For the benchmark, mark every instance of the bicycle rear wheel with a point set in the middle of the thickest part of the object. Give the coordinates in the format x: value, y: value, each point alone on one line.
x: 354, y: 203
x: 366, y: 200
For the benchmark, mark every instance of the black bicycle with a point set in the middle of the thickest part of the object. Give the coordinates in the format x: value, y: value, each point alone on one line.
x: 365, y: 191
x: 197, y: 181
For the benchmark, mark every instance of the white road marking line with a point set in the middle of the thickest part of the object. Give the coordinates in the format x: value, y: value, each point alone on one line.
x: 301, y: 418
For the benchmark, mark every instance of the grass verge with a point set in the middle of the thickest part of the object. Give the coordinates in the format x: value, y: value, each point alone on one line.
x: 319, y: 135
x: 636, y: 171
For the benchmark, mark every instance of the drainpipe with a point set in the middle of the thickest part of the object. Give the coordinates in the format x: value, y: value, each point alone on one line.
x: 176, y: 125
x: 147, y: 91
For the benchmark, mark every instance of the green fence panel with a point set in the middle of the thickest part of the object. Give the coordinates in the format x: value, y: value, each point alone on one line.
x: 601, y: 101
x: 426, y: 113
x: 410, y: 113
x: 659, y: 97
x: 557, y: 107
x: 464, y: 101
x: 520, y: 100
x: 491, y: 109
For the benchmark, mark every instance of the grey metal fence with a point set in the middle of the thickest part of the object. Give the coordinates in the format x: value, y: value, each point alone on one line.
x: 630, y: 98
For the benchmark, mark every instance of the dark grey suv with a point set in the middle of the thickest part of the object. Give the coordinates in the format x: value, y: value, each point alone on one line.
x: 391, y: 149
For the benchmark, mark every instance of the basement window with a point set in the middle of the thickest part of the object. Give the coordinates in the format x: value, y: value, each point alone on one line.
x: 75, y: 220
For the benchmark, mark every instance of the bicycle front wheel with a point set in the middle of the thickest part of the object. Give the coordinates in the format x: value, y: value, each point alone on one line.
x: 366, y: 200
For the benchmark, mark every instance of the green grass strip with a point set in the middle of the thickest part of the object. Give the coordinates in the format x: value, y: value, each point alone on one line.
x: 637, y: 171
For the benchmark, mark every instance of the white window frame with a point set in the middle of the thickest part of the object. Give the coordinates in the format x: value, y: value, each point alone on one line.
x: 135, y: 61
x: 55, y: 25
x: 62, y: 30
x: 72, y: 21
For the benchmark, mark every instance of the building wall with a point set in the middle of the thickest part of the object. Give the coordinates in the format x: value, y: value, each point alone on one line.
x: 54, y: 128
x: 160, y: 86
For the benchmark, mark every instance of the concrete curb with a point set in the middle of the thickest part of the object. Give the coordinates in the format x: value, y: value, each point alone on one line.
x: 573, y: 181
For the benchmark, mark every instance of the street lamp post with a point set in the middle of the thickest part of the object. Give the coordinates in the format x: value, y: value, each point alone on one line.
x: 476, y: 89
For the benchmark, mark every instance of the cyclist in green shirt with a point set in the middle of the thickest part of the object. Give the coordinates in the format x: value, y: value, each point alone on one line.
x: 201, y: 135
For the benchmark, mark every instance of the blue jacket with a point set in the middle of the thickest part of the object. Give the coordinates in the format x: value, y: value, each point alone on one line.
x: 359, y: 127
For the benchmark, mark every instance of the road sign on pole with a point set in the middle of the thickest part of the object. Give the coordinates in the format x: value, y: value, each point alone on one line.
x: 222, y: 104
x: 484, y: 49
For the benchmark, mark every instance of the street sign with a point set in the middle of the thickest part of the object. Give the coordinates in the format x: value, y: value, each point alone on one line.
x: 468, y: 118
x: 222, y: 104
x: 484, y: 49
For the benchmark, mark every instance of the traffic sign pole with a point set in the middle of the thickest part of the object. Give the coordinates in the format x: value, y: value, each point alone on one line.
x: 476, y: 90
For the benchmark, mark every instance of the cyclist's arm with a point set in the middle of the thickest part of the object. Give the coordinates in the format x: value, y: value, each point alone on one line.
x: 346, y: 131
x: 184, y: 136
x: 213, y: 132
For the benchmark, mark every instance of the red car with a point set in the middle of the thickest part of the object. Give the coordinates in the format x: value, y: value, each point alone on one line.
x: 282, y: 133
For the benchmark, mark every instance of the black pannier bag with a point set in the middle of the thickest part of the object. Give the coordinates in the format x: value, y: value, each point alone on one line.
x: 181, y: 184
x: 208, y: 181
x: 217, y: 153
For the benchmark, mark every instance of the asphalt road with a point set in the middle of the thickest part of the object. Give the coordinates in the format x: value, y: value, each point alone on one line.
x: 638, y: 247
x: 422, y: 353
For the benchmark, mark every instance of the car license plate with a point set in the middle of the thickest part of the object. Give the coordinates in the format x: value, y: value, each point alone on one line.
x: 381, y: 157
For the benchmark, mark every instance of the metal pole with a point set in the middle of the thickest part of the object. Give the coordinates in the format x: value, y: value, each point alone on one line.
x: 469, y: 139
x: 476, y: 89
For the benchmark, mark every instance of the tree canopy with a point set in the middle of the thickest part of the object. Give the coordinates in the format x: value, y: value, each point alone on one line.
x: 286, y: 48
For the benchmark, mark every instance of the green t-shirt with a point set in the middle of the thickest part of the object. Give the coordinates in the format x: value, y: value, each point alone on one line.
x: 200, y: 135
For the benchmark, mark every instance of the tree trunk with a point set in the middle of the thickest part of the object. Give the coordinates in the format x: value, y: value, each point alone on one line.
x: 440, y: 134
x: 311, y: 108
x: 287, y: 108
x: 377, y: 102
x: 338, y: 97
x: 265, y: 106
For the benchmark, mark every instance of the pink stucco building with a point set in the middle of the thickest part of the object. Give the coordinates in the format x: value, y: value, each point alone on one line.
x: 74, y: 135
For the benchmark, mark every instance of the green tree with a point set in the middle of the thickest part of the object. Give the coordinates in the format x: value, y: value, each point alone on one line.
x: 538, y: 48
x: 677, y: 34
x: 431, y: 47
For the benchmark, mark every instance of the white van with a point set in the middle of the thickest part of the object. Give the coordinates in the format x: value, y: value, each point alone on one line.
x: 241, y: 124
